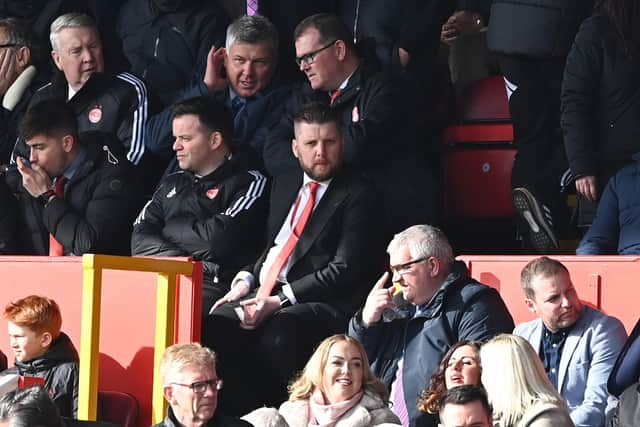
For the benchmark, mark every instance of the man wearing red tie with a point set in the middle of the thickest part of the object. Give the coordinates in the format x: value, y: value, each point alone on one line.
x: 75, y: 193
x: 324, y: 237
x: 376, y: 116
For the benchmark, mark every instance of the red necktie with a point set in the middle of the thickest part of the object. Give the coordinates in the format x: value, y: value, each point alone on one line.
x: 334, y: 95
x: 290, y: 244
x: 55, y: 248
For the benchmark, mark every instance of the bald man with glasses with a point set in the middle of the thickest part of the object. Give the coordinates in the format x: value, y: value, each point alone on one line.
x: 445, y: 306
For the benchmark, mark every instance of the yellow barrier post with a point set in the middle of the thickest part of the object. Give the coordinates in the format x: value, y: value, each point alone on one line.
x: 165, y: 322
x: 90, y: 330
x: 90, y: 338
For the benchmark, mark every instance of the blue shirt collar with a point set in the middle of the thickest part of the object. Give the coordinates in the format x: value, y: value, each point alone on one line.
x: 73, y: 168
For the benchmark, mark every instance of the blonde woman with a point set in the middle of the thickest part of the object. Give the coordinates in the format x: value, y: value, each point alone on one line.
x: 336, y: 388
x: 518, y: 387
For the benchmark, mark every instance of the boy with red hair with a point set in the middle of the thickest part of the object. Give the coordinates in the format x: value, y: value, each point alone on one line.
x: 42, y: 350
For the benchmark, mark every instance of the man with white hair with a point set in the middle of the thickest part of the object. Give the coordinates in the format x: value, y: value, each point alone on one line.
x: 445, y: 306
x: 111, y: 103
x: 191, y: 384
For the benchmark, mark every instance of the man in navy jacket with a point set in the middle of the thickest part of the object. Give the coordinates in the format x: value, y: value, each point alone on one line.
x: 445, y: 306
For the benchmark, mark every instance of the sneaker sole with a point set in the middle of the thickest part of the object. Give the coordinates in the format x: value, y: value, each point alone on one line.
x: 541, y: 235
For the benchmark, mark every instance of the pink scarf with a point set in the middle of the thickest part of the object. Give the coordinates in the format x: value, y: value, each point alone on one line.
x: 323, y: 415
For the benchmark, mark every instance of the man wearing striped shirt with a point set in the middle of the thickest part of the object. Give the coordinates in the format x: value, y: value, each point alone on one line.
x: 213, y: 208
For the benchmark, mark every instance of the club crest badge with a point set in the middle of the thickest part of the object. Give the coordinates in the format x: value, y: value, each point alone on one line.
x: 95, y: 114
x: 212, y: 193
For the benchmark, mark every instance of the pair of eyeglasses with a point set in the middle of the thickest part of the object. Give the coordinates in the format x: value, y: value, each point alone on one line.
x: 200, y: 387
x: 405, y: 268
x: 308, y: 58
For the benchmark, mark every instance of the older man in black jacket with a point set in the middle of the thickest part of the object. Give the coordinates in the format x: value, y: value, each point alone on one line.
x: 118, y: 104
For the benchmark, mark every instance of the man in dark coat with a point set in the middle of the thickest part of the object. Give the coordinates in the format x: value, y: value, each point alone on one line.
x: 242, y: 75
x: 118, y: 104
x: 378, y: 136
x: 75, y: 193
x: 323, y: 242
x: 443, y: 306
x: 213, y: 209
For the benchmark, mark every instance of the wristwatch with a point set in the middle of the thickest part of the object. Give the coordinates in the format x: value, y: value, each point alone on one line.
x: 284, y: 300
x: 46, y: 196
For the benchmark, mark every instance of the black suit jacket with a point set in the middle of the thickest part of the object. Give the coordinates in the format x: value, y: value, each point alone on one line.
x: 341, y: 249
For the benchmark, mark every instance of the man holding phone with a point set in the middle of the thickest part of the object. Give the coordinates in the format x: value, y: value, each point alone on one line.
x: 77, y: 193
x: 323, y: 244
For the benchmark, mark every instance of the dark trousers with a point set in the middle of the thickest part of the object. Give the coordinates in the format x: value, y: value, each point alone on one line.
x: 257, y: 365
x: 535, y: 110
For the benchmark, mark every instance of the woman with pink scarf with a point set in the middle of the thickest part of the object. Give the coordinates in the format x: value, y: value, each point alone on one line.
x: 337, y: 388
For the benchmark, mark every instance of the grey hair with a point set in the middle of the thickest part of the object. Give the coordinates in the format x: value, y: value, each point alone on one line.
x: 69, y: 20
x: 179, y: 356
x: 18, y: 32
x: 252, y: 30
x: 424, y: 241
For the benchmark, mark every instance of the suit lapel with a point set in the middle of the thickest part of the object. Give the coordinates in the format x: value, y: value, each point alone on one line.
x: 536, y: 336
x: 570, y: 345
x: 322, y: 214
x: 284, y: 192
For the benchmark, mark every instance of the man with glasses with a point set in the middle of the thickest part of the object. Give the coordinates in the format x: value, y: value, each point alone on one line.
x: 19, y: 78
x: 378, y: 131
x: 322, y: 247
x: 447, y: 306
x: 191, y: 385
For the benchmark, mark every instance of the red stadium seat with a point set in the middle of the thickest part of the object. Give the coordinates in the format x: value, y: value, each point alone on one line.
x: 479, y: 154
x: 485, y: 101
x: 118, y: 408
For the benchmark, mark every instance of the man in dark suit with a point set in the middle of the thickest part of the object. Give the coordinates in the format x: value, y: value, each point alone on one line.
x: 324, y: 240
x: 242, y: 75
x: 369, y: 105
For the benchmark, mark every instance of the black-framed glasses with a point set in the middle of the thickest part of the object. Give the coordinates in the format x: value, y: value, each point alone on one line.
x: 200, y: 387
x: 402, y: 269
x: 308, y: 58
x: 8, y: 45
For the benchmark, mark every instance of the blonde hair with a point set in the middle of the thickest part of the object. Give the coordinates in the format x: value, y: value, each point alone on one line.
x: 543, y: 266
x: 179, y: 356
x: 516, y: 378
x: 311, y: 376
